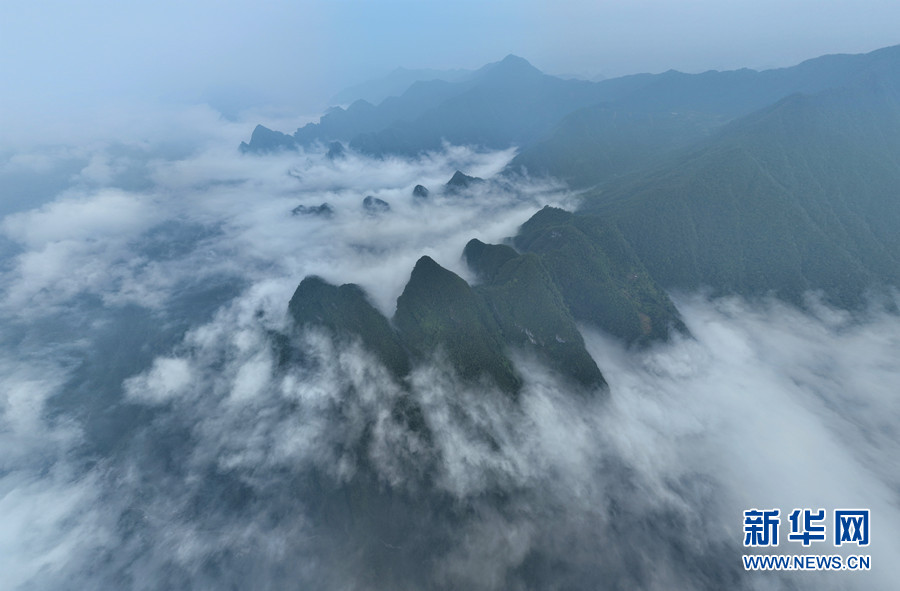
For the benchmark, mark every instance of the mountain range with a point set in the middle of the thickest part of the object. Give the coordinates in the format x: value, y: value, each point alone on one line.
x: 782, y: 182
x: 394, y: 83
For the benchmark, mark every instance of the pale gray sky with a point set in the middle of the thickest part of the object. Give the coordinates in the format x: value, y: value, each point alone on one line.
x: 62, y: 61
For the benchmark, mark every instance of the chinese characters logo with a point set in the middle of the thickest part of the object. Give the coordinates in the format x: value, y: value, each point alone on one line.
x: 761, y: 527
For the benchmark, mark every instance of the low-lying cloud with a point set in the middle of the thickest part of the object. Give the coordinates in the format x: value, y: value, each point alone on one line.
x: 164, y: 426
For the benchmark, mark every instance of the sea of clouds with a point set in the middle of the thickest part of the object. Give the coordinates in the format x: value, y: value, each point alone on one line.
x: 155, y: 434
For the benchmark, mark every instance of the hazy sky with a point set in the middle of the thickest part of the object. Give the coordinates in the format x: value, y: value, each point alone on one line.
x: 63, y: 59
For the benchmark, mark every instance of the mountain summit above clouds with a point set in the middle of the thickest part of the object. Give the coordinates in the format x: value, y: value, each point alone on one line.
x: 750, y: 183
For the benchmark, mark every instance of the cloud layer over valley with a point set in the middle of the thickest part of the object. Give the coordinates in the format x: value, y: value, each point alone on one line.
x: 164, y: 426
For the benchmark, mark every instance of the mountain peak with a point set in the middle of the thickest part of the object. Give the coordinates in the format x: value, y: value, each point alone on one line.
x: 427, y: 267
x: 438, y: 309
x: 346, y: 311
x: 461, y: 180
x: 512, y: 59
x: 264, y: 140
x: 511, y: 65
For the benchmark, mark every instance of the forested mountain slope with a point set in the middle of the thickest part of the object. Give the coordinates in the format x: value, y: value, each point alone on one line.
x: 804, y: 194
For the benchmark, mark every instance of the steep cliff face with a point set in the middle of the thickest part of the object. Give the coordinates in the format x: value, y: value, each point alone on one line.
x: 598, y: 275
x: 765, y: 192
x: 530, y: 310
x: 346, y: 313
x: 438, y: 310
x: 570, y: 268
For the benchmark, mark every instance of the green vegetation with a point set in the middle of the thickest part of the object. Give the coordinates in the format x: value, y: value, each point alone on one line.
x: 518, y: 306
x: 603, y: 142
x: 799, y: 196
x: 530, y: 311
x: 438, y: 310
x: 487, y: 259
x: 644, y: 118
x: 347, y: 313
x: 598, y: 275
x: 723, y: 180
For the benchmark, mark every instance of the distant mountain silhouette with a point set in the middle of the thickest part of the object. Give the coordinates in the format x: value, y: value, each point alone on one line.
x: 395, y: 83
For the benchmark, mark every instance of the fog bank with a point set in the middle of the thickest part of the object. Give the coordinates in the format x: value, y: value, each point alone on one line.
x: 154, y: 438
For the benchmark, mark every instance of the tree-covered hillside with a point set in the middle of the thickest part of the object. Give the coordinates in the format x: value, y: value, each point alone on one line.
x: 804, y: 194
x: 691, y: 188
